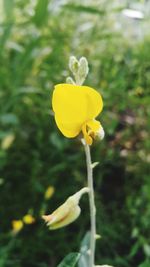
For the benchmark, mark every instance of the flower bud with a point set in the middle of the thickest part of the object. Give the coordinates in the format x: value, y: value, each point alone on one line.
x: 69, y: 80
x: 17, y: 226
x: 73, y: 65
x: 100, y: 133
x: 66, y: 213
x: 83, y: 67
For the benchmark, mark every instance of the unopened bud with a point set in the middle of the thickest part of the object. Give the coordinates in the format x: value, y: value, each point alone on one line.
x: 67, y: 212
x: 83, y: 67
x: 100, y: 133
x: 69, y: 80
x: 73, y: 65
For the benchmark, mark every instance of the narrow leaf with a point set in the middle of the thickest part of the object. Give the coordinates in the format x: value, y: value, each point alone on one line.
x: 85, y: 246
x: 41, y: 12
x: 8, y: 6
x: 70, y: 260
x: 86, y: 9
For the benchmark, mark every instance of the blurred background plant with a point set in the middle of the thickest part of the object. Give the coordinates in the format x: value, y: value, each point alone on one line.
x: 38, y: 167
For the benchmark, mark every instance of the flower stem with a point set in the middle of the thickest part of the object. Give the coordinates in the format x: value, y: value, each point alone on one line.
x: 92, y: 205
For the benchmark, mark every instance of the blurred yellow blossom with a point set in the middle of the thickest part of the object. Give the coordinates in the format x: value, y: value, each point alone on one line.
x: 76, y: 108
x: 28, y: 219
x: 17, y: 225
x: 7, y: 141
x: 139, y: 90
x: 49, y: 192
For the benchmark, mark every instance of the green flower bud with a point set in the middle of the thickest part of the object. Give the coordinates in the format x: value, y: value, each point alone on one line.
x: 73, y: 65
x: 100, y: 133
x: 83, y: 67
x: 69, y: 80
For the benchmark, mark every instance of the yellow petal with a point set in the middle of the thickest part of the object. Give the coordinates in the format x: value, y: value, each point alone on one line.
x: 95, y: 103
x: 93, y: 125
x: 70, y: 107
x: 73, y: 106
x: 92, y: 129
x: 68, y: 129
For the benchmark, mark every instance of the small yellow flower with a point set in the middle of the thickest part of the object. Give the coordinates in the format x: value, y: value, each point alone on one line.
x: 17, y: 225
x: 7, y: 141
x: 76, y: 108
x: 28, y: 219
x: 66, y: 213
x: 49, y: 192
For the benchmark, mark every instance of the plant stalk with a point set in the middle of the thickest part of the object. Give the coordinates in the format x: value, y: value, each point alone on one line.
x: 92, y: 206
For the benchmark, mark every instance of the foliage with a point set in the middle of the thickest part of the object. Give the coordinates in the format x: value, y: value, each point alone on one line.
x: 70, y: 260
x: 36, y: 40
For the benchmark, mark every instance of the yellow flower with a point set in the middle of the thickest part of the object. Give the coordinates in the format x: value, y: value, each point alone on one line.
x: 66, y: 213
x: 76, y: 108
x: 17, y: 225
x: 49, y: 192
x: 7, y: 141
x: 28, y: 219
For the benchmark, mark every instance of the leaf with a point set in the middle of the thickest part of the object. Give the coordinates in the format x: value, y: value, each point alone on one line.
x: 8, y: 6
x: 85, y: 245
x: 41, y: 12
x: 70, y: 260
x: 145, y: 264
x: 86, y: 9
x: 9, y: 118
x: 134, y: 249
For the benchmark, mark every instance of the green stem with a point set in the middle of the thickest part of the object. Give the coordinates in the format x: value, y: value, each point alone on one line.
x: 92, y: 205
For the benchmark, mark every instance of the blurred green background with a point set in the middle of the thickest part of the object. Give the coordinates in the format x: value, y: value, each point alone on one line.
x: 39, y: 168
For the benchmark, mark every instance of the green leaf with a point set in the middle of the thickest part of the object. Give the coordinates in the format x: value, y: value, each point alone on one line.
x: 86, y: 9
x: 134, y: 249
x: 145, y: 264
x: 41, y: 12
x: 8, y: 6
x: 70, y: 260
x: 9, y: 118
x: 85, y: 245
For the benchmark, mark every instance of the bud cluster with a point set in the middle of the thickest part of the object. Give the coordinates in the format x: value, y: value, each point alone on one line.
x: 79, y: 69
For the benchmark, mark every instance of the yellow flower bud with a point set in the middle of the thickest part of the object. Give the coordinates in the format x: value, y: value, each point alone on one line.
x: 17, y: 225
x: 28, y: 219
x: 49, y: 192
x: 66, y: 213
x: 7, y: 141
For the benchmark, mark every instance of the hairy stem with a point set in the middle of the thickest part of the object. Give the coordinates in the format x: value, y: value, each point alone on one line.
x: 92, y: 205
